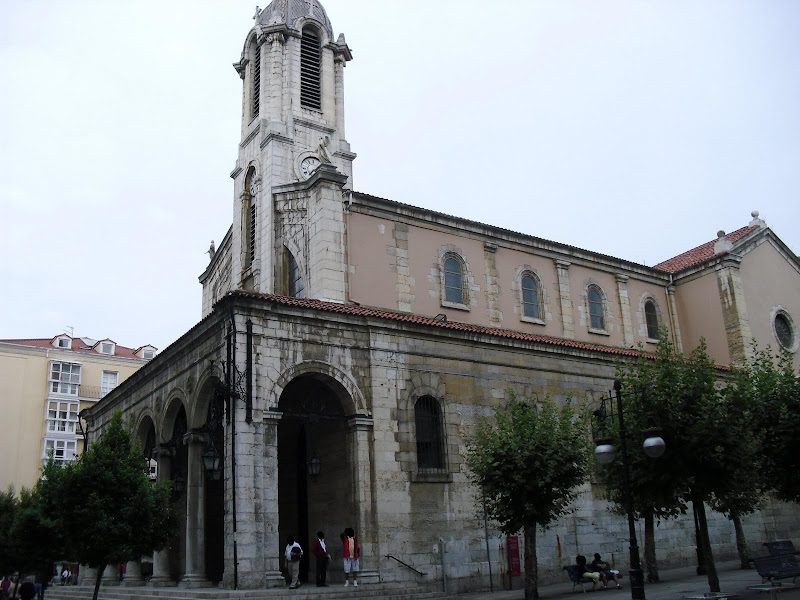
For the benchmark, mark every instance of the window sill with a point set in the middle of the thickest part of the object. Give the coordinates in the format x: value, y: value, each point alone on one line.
x: 598, y: 331
x: 455, y: 305
x: 533, y: 320
x: 439, y: 477
x: 652, y: 340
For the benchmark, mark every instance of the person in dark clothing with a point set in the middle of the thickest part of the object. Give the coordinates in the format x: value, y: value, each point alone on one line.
x: 320, y: 551
x: 605, y: 570
x: 27, y: 591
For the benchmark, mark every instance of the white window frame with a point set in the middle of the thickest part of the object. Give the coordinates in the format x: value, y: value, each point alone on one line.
x: 67, y: 384
x: 64, y: 449
x: 62, y: 416
x: 106, y: 388
x: 106, y: 347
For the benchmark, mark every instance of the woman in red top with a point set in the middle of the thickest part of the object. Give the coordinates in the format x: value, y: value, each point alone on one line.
x: 350, y: 552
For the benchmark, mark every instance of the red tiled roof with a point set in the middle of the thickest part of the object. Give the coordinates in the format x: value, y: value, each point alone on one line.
x: 77, y: 346
x: 701, y: 253
x: 351, y: 309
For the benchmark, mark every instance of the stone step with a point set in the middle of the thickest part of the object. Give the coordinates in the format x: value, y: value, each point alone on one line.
x: 382, y: 591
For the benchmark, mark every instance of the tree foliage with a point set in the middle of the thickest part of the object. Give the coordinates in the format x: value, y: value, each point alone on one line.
x: 108, y: 509
x: 528, y: 463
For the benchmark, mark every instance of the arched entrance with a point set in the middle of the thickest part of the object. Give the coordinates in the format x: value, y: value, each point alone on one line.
x: 214, y: 457
x: 315, y: 491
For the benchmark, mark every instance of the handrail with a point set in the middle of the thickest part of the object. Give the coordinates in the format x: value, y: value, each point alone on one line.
x: 406, y: 565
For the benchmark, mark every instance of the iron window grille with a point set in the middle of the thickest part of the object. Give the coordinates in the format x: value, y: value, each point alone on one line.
x: 430, y: 438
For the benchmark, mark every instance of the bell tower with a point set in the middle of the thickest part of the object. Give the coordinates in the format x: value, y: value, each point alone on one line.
x: 294, y: 160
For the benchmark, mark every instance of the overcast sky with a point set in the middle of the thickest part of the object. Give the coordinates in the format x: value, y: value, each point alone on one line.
x: 636, y: 129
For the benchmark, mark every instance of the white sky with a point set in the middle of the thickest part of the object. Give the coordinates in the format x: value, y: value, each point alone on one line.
x: 631, y: 128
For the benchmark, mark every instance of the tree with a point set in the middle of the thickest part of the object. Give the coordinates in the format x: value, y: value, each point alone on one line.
x: 703, y: 432
x: 528, y: 464
x: 776, y: 417
x: 8, y: 508
x: 108, y: 509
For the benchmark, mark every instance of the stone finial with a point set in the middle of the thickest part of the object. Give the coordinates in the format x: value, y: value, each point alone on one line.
x: 722, y: 244
x: 756, y: 220
x: 257, y: 15
x: 211, y: 251
x: 340, y: 40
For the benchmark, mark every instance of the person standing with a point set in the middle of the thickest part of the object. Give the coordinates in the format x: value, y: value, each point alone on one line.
x: 350, y: 551
x: 293, y: 555
x: 323, y: 557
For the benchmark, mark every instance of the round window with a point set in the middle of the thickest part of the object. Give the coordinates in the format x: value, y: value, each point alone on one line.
x: 784, y: 330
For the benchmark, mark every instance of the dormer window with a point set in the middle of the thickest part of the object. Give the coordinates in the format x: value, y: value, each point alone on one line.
x: 64, y: 342
x: 146, y: 352
x: 105, y: 347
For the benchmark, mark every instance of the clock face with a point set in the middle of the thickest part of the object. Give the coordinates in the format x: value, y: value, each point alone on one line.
x: 253, y: 189
x: 308, y: 165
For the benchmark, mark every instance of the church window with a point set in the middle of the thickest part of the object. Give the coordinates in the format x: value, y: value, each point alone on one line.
x: 453, y: 280
x: 310, y: 63
x: 596, y: 315
x: 297, y: 288
x: 651, y: 319
x: 430, y: 439
x: 249, y: 219
x: 530, y: 296
x: 256, y: 79
x: 784, y: 331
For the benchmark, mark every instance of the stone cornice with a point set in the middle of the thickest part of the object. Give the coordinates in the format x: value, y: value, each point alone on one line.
x: 315, y: 125
x: 251, y: 134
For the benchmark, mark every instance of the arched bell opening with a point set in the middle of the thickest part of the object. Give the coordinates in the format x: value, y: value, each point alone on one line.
x: 315, y: 491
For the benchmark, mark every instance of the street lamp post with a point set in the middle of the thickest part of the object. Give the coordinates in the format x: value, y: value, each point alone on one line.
x: 605, y: 454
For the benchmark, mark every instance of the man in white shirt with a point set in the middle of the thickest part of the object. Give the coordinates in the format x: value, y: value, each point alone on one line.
x: 293, y: 555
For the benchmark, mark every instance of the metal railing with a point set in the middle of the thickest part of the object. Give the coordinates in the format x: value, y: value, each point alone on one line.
x: 406, y: 565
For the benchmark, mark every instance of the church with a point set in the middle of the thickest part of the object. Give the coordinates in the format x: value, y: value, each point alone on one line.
x: 350, y: 344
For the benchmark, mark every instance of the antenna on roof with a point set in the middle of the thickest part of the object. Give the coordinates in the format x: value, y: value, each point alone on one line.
x: 70, y: 330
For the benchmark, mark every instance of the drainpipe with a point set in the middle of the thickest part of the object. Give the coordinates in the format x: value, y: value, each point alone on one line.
x: 444, y: 572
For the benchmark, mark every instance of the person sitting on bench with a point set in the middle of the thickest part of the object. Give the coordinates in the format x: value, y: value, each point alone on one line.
x: 605, y: 570
x: 585, y: 570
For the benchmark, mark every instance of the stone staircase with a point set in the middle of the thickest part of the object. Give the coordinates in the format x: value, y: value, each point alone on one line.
x: 334, y: 592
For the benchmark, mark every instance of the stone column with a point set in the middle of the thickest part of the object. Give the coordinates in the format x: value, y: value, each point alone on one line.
x: 338, y: 74
x: 359, y: 454
x: 195, y: 571
x: 110, y: 575
x: 673, y: 311
x: 565, y: 296
x: 734, y: 310
x: 275, y: 83
x: 269, y: 492
x: 133, y: 574
x: 625, y: 309
x: 164, y: 456
x: 86, y: 575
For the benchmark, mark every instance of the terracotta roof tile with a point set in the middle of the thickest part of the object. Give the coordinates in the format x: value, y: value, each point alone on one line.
x: 77, y: 346
x: 701, y: 253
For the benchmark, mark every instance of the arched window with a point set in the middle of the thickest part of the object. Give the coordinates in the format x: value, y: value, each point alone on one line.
x: 430, y: 439
x: 453, y: 280
x: 785, y: 331
x: 296, y: 287
x: 256, y: 79
x: 310, y: 64
x: 249, y: 219
x: 596, y: 308
x: 530, y: 297
x: 651, y: 319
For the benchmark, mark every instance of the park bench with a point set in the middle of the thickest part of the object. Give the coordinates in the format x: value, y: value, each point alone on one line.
x: 780, y: 547
x: 577, y: 579
x: 771, y: 568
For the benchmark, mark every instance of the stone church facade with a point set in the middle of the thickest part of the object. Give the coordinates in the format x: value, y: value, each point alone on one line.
x: 350, y: 344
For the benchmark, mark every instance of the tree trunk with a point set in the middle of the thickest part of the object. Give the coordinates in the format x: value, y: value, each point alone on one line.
x: 531, y: 570
x: 741, y: 541
x: 100, y: 570
x: 711, y: 568
x: 650, y: 561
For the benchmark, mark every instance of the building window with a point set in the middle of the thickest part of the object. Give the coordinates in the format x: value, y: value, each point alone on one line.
x: 60, y: 450
x: 62, y: 416
x: 596, y: 308
x: 785, y: 331
x: 108, y: 382
x: 64, y: 343
x: 453, y: 280
x: 249, y: 218
x: 65, y: 378
x: 430, y: 438
x: 297, y: 288
x: 530, y: 297
x: 310, y: 61
x: 148, y: 354
x: 651, y: 319
x: 107, y: 348
x: 256, y: 78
